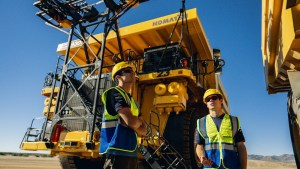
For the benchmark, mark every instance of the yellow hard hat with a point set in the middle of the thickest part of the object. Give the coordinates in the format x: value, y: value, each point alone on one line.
x: 119, y: 66
x: 211, y: 92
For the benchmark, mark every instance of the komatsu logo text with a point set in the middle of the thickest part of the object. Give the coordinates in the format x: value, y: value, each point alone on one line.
x: 166, y: 20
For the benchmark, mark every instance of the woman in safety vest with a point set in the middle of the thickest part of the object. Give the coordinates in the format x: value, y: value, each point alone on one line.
x: 219, y: 138
x: 120, y: 122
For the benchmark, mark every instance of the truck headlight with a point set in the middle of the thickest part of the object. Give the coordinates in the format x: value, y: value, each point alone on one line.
x: 174, y: 88
x: 160, y: 89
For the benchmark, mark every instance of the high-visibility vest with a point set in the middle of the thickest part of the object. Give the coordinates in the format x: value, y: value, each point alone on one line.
x: 116, y: 138
x: 219, y: 145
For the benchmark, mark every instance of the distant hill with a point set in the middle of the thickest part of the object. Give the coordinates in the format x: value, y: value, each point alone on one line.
x: 289, y: 158
x: 24, y: 154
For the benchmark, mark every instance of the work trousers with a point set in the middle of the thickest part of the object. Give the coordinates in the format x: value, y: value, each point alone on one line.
x: 120, y: 162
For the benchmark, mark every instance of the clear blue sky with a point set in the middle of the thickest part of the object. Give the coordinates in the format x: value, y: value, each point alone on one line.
x: 28, y: 52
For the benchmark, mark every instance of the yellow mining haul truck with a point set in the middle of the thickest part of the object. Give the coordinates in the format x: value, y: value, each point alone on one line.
x: 281, y: 58
x: 174, y: 64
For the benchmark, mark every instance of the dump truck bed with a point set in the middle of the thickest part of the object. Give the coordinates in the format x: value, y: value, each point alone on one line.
x: 151, y: 33
x: 280, y: 43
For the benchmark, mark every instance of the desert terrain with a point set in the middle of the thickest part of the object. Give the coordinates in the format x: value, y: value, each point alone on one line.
x: 32, y: 162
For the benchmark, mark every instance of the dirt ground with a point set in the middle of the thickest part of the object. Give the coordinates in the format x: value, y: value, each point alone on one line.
x: 255, y: 164
x: 15, y: 162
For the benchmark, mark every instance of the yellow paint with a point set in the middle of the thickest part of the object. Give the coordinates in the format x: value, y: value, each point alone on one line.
x: 33, y: 146
x: 47, y: 91
x: 160, y: 89
x: 63, y: 147
x: 47, y: 101
x: 172, y: 74
x: 280, y: 39
x: 50, y: 113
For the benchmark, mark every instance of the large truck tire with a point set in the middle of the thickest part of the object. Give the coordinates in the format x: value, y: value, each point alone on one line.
x: 73, y: 162
x: 293, y: 118
x: 190, y: 124
x: 180, y: 133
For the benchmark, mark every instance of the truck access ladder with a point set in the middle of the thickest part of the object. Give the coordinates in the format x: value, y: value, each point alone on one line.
x: 82, y: 76
x: 164, y: 156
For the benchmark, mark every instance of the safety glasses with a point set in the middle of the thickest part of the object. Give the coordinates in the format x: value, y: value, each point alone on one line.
x: 211, y: 98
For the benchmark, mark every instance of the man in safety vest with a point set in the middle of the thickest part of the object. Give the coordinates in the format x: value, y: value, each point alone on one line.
x: 219, y: 138
x: 120, y: 122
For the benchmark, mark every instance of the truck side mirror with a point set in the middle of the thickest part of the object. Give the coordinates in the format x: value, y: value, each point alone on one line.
x: 217, y: 61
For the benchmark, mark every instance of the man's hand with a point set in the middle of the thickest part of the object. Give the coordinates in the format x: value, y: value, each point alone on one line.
x: 206, y: 161
x: 201, y: 155
x: 142, y: 130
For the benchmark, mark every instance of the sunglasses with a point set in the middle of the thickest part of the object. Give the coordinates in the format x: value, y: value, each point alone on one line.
x: 127, y: 71
x: 211, y: 98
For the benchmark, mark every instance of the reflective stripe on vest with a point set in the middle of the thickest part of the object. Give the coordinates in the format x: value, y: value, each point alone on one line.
x: 219, y: 145
x: 216, y: 146
x: 114, y: 136
x: 109, y: 124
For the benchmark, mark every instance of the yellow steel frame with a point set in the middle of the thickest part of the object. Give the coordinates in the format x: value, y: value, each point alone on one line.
x: 280, y: 43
